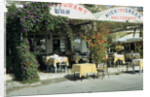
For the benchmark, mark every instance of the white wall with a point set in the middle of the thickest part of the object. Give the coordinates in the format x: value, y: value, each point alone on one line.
x: 83, y: 46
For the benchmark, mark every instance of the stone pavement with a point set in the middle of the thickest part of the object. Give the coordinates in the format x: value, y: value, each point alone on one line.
x: 119, y: 82
x: 11, y: 84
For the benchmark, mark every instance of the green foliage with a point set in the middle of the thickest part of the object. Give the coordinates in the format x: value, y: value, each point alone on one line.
x: 97, y: 40
x: 33, y: 18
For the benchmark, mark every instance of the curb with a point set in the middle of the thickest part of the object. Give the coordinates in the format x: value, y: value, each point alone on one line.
x: 48, y: 75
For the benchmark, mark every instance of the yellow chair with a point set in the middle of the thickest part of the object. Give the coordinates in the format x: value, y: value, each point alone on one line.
x: 77, y: 59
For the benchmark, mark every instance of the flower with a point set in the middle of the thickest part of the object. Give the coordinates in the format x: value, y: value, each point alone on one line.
x: 18, y: 46
x: 31, y: 24
x: 35, y: 12
x: 35, y: 2
x: 23, y: 20
x: 25, y: 68
x: 24, y: 29
x: 104, y: 58
x: 26, y: 64
x: 47, y: 5
x: 38, y: 20
x: 81, y: 35
x: 46, y: 22
x: 25, y: 6
x: 28, y: 11
x: 96, y: 52
x: 108, y: 32
x: 67, y: 20
x: 32, y: 8
x: 33, y: 21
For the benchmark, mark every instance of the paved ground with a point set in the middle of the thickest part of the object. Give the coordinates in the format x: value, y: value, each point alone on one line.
x: 121, y: 82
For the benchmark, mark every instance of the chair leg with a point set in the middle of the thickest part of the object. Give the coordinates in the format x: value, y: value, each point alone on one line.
x: 103, y: 75
x: 107, y: 73
x: 127, y: 67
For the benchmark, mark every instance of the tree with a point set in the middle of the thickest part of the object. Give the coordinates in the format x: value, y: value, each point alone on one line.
x: 97, y: 40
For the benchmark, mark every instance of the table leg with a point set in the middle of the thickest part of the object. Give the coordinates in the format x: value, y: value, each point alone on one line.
x: 60, y: 68
x: 74, y: 75
x: 66, y: 69
x: 47, y: 69
x: 55, y: 68
x: 93, y: 75
x: 140, y: 71
x: 133, y: 69
x: 51, y: 68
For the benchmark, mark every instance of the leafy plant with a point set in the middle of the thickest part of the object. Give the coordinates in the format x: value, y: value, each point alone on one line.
x: 33, y: 18
x: 97, y: 40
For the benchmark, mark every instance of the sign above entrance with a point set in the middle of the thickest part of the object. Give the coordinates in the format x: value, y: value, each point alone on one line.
x: 72, y: 11
x: 120, y: 14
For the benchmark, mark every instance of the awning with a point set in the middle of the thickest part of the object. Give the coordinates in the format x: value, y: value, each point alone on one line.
x: 120, y: 14
x: 72, y: 11
x: 129, y: 38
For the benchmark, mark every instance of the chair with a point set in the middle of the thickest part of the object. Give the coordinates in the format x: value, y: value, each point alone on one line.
x: 110, y: 59
x: 63, y: 65
x: 63, y: 62
x: 77, y: 59
x: 128, y: 59
x: 49, y: 65
x: 103, y: 68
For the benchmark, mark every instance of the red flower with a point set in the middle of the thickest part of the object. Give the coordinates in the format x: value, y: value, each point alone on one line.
x: 81, y: 35
x: 26, y: 64
x: 104, y: 58
x: 92, y: 37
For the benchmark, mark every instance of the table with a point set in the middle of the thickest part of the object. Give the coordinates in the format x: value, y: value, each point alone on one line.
x: 84, y: 68
x: 52, y: 61
x: 132, y: 55
x: 137, y: 62
x: 119, y: 57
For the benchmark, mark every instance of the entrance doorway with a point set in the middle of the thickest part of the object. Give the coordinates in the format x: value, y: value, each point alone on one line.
x: 56, y: 46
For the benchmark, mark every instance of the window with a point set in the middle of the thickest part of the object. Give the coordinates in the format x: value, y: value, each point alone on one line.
x: 37, y: 44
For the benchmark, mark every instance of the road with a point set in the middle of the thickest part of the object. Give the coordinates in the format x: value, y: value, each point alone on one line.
x: 121, y: 82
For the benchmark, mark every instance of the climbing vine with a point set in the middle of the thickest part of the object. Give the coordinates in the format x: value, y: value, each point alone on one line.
x: 34, y: 17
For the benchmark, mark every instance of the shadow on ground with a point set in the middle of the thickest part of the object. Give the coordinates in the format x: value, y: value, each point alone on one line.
x: 130, y: 72
x: 77, y: 78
